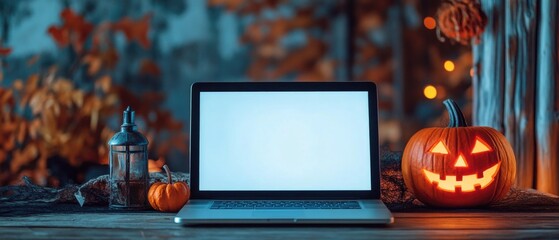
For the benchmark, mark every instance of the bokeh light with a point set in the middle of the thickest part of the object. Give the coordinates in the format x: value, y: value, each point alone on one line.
x: 430, y: 92
x: 448, y: 66
x: 430, y: 23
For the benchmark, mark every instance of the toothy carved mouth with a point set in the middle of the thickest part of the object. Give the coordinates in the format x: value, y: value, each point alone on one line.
x: 469, y: 183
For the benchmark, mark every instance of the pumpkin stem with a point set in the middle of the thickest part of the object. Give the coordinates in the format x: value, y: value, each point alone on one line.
x: 168, y: 171
x: 455, y: 116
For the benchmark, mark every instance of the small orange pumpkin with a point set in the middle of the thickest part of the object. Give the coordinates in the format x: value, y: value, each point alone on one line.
x: 168, y: 197
x: 458, y: 165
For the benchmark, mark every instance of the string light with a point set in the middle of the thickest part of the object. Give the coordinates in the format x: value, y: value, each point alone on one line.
x: 429, y: 23
x: 430, y: 92
x: 448, y: 66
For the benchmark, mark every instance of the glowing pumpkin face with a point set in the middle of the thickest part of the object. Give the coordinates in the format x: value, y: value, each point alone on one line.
x: 462, y: 181
x: 458, y: 166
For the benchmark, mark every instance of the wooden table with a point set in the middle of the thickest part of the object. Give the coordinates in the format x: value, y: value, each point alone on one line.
x: 150, y: 224
x: 33, y: 212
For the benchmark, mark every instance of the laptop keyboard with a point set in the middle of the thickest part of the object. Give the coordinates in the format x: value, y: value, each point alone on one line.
x: 278, y: 204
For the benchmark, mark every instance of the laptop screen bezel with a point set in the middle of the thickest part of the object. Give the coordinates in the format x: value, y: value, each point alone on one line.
x: 194, y: 142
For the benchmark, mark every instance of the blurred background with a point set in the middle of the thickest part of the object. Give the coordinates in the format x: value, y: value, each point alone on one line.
x: 69, y: 69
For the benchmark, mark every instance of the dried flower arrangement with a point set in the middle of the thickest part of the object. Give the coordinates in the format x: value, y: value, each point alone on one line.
x: 50, y: 117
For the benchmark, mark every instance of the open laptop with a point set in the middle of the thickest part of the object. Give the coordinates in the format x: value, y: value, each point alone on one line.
x: 284, y: 153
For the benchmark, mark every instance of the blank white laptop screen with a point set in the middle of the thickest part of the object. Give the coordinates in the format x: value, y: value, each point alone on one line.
x: 284, y: 141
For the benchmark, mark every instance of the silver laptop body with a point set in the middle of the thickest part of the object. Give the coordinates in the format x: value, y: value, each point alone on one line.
x: 284, y: 153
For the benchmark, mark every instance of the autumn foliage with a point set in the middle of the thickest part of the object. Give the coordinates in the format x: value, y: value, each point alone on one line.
x: 74, y: 30
x: 270, y: 59
x: 49, y: 116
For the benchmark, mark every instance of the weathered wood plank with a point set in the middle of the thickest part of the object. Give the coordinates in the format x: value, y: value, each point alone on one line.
x: 279, y: 233
x: 519, y: 89
x: 489, y: 77
x: 515, y: 85
x: 154, y: 220
x: 407, y: 228
x: 445, y: 224
x: 547, y: 103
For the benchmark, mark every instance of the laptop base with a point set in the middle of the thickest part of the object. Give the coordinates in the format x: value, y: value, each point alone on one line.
x: 200, y: 212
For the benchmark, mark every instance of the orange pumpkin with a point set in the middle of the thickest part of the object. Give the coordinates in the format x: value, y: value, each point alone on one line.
x: 458, y: 166
x: 168, y: 197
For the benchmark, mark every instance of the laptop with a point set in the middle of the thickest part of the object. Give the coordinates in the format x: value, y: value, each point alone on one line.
x: 284, y: 153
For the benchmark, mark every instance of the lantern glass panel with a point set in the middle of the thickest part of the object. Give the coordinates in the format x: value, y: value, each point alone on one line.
x: 138, y: 166
x: 131, y: 193
x: 118, y: 165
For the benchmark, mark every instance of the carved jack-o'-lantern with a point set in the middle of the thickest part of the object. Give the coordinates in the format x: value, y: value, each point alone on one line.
x: 458, y: 166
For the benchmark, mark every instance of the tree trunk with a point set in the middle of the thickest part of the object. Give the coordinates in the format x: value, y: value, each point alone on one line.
x: 515, y: 85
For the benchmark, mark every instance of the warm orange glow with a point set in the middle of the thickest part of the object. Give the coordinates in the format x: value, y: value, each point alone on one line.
x: 460, y: 162
x: 480, y: 147
x: 430, y: 92
x: 430, y: 23
x: 469, y: 183
x: 441, y: 92
x: 439, y: 148
x: 448, y: 66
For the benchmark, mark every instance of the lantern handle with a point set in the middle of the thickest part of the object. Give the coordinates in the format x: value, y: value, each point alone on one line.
x: 455, y: 116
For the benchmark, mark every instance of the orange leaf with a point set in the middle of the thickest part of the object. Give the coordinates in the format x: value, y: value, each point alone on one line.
x: 74, y: 30
x: 253, y: 34
x: 22, y: 132
x: 34, y: 128
x: 149, y: 67
x: 8, y: 127
x: 60, y: 35
x: 97, y: 60
x: 257, y: 69
x: 278, y: 29
x: 3, y: 156
x: 32, y: 83
x: 5, y: 51
x: 378, y: 73
x: 322, y: 71
x: 7, y: 97
x: 270, y: 51
x: 77, y: 24
x: 110, y: 58
x: 23, y: 157
x: 77, y: 97
x: 104, y: 83
x: 18, y: 85
x: 304, y: 19
x: 135, y: 30
x: 94, y: 63
x: 301, y: 58
x: 10, y: 143
x: 94, y: 120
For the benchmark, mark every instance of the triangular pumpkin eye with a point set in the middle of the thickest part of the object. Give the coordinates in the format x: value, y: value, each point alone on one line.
x: 480, y: 147
x: 439, y: 148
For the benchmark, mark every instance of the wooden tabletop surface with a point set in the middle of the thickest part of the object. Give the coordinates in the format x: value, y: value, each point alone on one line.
x: 139, y: 225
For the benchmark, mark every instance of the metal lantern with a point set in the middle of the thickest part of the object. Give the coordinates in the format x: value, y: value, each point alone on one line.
x: 129, y: 176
